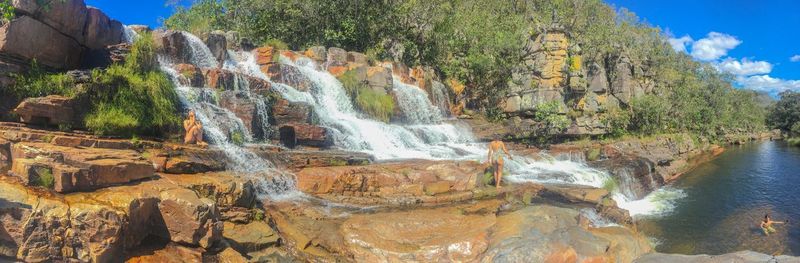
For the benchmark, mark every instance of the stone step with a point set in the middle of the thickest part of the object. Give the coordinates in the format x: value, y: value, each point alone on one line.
x: 69, y: 169
x: 102, y: 226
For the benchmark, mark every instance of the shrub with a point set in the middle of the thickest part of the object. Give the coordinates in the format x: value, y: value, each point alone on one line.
x: 277, y: 44
x: 37, y: 82
x: 237, y: 138
x: 107, y: 119
x: 610, y: 184
x: 593, y: 154
x: 376, y: 104
x: 794, y: 141
x: 44, y: 178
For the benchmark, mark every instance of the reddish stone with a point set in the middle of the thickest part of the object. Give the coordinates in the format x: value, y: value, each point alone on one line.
x: 304, y: 134
x: 265, y: 55
x: 50, y: 110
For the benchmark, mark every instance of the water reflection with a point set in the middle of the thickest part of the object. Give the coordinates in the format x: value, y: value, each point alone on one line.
x: 727, y: 197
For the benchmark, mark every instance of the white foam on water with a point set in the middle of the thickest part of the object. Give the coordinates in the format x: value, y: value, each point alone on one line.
x: 658, y: 203
x: 129, y: 34
x: 423, y: 135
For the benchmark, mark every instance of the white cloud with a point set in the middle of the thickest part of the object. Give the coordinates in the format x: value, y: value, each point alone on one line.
x: 713, y: 46
x: 679, y: 44
x: 795, y: 58
x: 745, y: 67
x: 768, y: 84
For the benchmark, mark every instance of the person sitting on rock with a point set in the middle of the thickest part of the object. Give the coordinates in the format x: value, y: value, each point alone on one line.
x: 766, y: 225
x: 194, y: 130
x: 496, y: 159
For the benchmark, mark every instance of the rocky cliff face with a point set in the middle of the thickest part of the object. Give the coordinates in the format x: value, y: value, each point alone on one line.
x: 61, y: 35
x: 557, y: 73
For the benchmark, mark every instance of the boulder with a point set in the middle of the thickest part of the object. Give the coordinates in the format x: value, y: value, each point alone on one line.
x: 76, y: 169
x: 336, y: 57
x: 439, y: 235
x: 69, y: 17
x: 229, y: 255
x: 189, y: 75
x: 241, y: 105
x: 101, y: 31
x: 50, y: 110
x: 357, y: 58
x: 220, y: 79
x: 293, y: 134
x: 190, y: 219
x: 250, y: 237
x: 288, y: 75
x: 544, y: 233
x: 739, y: 257
x: 232, y: 39
x: 265, y: 55
x: 390, y: 180
x: 285, y: 112
x: 225, y: 189
x: 5, y: 155
x: 172, y: 253
x: 26, y: 38
x: 379, y: 78
x: 217, y: 42
x: 317, y: 53
x: 598, y: 82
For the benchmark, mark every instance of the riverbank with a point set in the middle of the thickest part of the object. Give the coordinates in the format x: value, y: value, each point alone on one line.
x: 366, y: 203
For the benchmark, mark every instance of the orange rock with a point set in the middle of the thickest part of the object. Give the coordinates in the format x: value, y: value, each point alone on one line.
x: 418, y: 76
x: 290, y: 55
x: 337, y: 70
x: 567, y: 255
x: 265, y: 55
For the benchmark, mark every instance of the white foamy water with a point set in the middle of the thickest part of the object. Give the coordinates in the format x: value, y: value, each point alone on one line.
x: 657, y: 203
x: 423, y: 134
x: 129, y: 34
x: 219, y: 124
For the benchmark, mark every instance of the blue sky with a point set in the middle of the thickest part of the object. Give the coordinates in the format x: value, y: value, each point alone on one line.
x: 754, y: 40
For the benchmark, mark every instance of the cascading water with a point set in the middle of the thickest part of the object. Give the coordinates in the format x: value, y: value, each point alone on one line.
x: 414, y: 104
x: 219, y: 125
x: 422, y: 136
x: 129, y: 34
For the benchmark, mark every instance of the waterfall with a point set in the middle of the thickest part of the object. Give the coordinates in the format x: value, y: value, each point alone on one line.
x: 414, y: 104
x: 201, y: 55
x: 219, y: 125
x: 441, y: 98
x: 422, y: 135
x: 128, y: 34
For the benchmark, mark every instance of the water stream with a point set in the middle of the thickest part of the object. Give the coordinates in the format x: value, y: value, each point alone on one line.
x: 726, y: 198
x: 422, y: 134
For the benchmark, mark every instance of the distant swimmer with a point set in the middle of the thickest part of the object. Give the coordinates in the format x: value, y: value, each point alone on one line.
x: 496, y: 159
x: 766, y: 225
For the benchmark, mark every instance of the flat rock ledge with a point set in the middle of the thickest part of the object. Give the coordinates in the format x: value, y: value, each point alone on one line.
x: 102, y: 226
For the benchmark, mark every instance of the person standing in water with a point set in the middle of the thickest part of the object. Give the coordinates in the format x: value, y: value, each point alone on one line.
x: 766, y: 225
x: 496, y: 159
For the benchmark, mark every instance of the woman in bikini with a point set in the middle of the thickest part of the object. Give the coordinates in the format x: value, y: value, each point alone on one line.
x: 496, y: 159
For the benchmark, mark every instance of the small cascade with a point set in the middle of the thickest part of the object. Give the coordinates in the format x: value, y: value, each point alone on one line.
x: 201, y: 55
x: 423, y: 135
x: 414, y: 104
x: 441, y: 98
x: 129, y: 34
x: 220, y: 124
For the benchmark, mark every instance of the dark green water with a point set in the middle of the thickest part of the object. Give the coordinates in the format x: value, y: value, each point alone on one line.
x: 726, y: 198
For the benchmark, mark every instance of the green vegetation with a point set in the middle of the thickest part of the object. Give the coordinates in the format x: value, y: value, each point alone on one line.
x: 37, y: 82
x: 593, y: 154
x: 785, y: 115
x: 277, y: 44
x: 237, y: 138
x: 610, y: 184
x: 123, y: 99
x: 376, y: 104
x: 482, y: 43
x: 338, y: 162
x: 44, y: 177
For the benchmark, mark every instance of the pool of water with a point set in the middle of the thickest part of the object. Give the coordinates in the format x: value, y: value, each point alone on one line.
x: 726, y: 198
